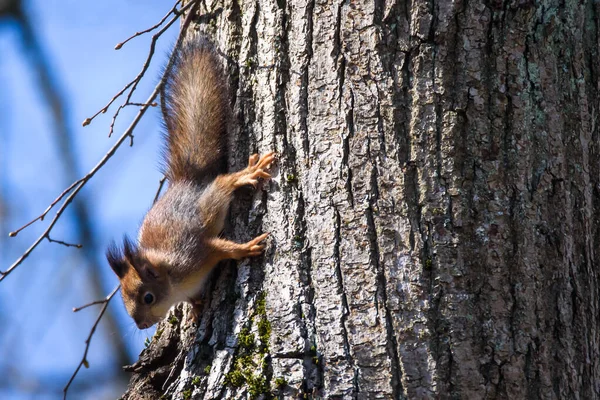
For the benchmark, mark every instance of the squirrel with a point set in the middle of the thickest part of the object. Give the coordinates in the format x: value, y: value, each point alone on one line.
x: 179, y: 240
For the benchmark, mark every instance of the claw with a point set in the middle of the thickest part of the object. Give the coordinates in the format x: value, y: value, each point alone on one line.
x: 252, y: 160
x: 258, y: 239
x: 256, y: 169
x: 266, y: 160
x: 252, y: 248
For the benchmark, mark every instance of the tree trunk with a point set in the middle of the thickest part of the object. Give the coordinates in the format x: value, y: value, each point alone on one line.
x: 434, y: 217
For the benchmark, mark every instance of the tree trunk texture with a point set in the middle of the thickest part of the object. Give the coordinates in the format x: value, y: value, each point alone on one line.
x: 434, y: 215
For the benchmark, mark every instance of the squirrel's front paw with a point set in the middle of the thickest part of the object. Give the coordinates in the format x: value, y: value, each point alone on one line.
x: 257, y: 167
x: 251, y: 249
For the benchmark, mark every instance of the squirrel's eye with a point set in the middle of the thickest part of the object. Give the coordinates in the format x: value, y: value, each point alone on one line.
x: 148, y: 298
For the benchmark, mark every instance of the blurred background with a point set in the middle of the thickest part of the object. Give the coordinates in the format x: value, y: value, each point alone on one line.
x: 58, y: 67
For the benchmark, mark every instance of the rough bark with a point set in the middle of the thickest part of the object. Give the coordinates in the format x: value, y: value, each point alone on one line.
x: 434, y: 216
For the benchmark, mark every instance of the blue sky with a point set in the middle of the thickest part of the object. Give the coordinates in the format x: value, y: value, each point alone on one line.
x: 42, y: 339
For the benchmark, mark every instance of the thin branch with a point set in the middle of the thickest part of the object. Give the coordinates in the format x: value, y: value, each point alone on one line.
x: 173, y: 11
x: 93, y: 303
x: 15, y: 233
x: 142, y: 104
x: 84, y: 360
x: 133, y: 84
x: 104, y: 109
x: 47, y: 210
x: 78, y: 185
x: 139, y: 77
x: 160, y: 186
x: 63, y: 243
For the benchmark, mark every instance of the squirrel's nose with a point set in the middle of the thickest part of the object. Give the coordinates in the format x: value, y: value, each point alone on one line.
x: 143, y: 325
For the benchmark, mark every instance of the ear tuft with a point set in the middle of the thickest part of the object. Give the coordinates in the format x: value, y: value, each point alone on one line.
x: 114, y: 255
x: 130, y: 250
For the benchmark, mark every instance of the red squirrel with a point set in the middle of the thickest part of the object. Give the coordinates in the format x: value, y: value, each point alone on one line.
x: 178, y: 243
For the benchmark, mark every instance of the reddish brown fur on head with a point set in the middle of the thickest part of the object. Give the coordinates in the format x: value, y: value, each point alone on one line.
x: 141, y: 281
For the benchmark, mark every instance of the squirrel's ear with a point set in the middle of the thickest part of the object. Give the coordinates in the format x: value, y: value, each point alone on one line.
x: 129, y: 250
x: 116, y: 260
x: 145, y: 270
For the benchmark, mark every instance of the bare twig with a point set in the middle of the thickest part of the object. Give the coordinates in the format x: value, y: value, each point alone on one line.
x: 42, y: 215
x: 133, y: 84
x: 63, y: 243
x: 104, y: 300
x: 142, y: 104
x: 78, y: 185
x: 173, y: 11
x: 139, y: 77
x: 84, y: 360
x: 160, y: 186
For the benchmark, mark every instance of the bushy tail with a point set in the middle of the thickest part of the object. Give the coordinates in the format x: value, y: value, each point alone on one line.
x: 195, y: 109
